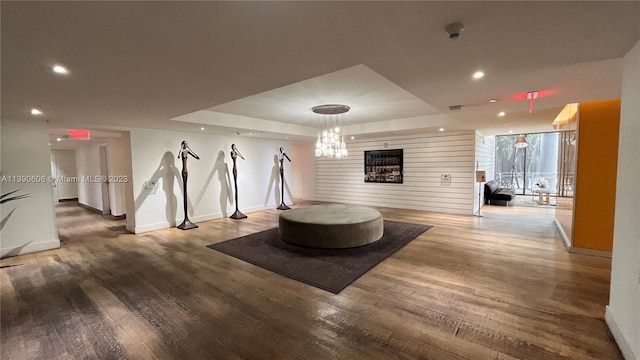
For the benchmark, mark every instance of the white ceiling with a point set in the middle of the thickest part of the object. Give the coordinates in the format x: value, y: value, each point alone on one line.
x: 371, y: 98
x: 258, y: 67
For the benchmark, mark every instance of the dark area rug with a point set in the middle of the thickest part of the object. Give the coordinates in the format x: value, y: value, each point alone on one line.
x: 328, y: 269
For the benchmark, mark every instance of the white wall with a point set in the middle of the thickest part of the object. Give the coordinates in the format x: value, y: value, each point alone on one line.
x: 426, y: 158
x: 28, y: 224
x: 623, y: 312
x: 303, y: 171
x: 129, y: 201
x: 88, y: 165
x: 210, y: 180
x: 116, y: 167
x: 64, y: 167
x: 485, y: 160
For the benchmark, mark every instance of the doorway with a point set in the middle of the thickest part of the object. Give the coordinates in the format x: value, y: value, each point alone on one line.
x: 64, y: 179
x: 86, y: 201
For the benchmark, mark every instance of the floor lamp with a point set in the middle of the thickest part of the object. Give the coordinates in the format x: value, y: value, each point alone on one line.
x: 481, y: 176
x: 521, y: 143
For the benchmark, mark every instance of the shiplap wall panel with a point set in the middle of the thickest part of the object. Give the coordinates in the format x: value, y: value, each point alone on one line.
x: 425, y: 158
x: 485, y: 160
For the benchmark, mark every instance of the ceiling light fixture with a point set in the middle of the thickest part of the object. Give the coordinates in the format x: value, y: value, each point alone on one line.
x: 441, y: 129
x: 492, y: 100
x: 59, y: 139
x: 36, y: 112
x: 353, y: 138
x: 330, y: 142
x: 502, y: 113
x: 59, y: 69
x: 202, y: 128
x: 478, y: 75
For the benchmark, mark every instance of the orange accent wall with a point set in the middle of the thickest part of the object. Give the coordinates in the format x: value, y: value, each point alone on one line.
x: 596, y: 171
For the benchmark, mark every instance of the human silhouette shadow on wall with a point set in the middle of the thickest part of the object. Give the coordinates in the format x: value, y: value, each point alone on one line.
x: 222, y: 169
x: 275, y: 178
x: 169, y: 174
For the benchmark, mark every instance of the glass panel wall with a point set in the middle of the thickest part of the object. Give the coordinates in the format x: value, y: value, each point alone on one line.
x: 566, y: 182
x: 526, y: 169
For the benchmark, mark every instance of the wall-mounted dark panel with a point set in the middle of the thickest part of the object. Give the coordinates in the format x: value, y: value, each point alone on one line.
x: 383, y: 166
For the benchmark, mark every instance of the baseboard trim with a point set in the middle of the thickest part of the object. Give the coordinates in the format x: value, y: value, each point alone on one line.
x: 201, y: 218
x: 590, y: 252
x: 576, y: 250
x: 623, y: 345
x: 89, y: 208
x: 152, y: 227
x: 563, y: 235
x: 29, y: 248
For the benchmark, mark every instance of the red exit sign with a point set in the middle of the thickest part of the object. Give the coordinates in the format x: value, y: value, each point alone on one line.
x: 79, y: 134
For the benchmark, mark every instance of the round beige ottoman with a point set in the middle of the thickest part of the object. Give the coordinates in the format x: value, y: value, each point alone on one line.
x: 331, y: 226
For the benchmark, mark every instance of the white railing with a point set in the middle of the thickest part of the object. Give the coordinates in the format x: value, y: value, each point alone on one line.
x: 516, y: 181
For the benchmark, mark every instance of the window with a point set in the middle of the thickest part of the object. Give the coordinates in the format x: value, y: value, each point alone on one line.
x: 528, y: 168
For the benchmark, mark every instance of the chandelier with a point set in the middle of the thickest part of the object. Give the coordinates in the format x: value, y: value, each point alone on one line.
x: 330, y: 142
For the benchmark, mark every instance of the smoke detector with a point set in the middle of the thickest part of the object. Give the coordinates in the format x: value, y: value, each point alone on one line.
x: 454, y: 30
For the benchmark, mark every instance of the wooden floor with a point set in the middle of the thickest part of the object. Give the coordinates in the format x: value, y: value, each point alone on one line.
x: 497, y: 287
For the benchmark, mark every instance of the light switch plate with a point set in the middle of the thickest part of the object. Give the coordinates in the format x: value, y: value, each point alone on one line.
x: 151, y: 184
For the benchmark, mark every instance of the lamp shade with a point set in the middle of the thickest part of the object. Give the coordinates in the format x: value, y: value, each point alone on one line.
x: 521, y: 142
x: 481, y: 176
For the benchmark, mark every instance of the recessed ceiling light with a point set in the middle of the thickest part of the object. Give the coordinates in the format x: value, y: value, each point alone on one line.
x: 287, y: 137
x: 441, y: 129
x: 510, y: 131
x: 250, y: 133
x: 59, y: 69
x: 353, y: 137
x: 59, y: 139
x: 49, y: 144
x: 478, y: 75
x: 36, y: 112
x: 201, y: 128
x: 492, y: 100
x: 502, y: 113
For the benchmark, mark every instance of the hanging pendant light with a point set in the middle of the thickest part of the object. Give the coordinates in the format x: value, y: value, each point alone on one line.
x: 330, y: 141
